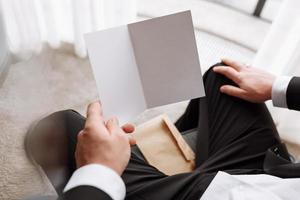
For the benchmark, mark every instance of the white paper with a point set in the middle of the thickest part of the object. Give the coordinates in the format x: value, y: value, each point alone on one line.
x: 115, y: 71
x: 146, y: 64
x: 167, y: 58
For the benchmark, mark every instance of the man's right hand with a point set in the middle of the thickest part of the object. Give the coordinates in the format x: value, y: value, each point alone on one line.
x: 104, y: 143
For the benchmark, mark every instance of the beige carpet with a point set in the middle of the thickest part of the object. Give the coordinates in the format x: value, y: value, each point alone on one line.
x: 51, y: 81
x: 46, y: 83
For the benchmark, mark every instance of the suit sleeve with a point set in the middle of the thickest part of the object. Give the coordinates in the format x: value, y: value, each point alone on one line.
x: 85, y: 192
x: 293, y: 94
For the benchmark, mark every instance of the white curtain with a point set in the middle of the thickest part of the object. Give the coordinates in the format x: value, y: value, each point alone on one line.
x: 280, y: 54
x: 4, y: 52
x: 31, y: 23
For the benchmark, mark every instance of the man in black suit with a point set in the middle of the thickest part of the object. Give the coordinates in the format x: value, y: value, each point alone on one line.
x: 234, y: 132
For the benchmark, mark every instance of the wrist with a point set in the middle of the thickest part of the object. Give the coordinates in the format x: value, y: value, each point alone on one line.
x: 111, y: 166
x: 270, y: 87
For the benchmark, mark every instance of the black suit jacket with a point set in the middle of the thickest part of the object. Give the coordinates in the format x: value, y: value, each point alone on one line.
x: 276, y: 163
x: 85, y: 192
x: 293, y: 94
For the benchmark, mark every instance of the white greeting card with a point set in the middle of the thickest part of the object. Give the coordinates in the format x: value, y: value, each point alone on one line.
x: 145, y: 64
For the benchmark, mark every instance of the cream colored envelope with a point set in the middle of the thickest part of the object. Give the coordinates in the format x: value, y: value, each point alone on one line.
x: 164, y: 147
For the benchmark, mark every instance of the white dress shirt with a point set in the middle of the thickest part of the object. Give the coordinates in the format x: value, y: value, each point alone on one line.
x: 223, y: 187
x: 251, y: 187
x: 98, y: 176
x: 279, y: 91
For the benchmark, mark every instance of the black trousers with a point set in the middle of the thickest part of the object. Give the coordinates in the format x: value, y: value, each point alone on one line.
x: 233, y: 136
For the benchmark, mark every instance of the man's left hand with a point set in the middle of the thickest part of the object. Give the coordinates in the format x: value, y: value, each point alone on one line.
x: 253, y: 85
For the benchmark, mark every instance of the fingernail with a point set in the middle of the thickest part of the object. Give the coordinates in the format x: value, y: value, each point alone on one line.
x: 221, y: 89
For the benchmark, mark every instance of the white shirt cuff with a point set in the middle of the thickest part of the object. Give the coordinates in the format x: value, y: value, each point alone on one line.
x: 98, y: 176
x: 279, y: 89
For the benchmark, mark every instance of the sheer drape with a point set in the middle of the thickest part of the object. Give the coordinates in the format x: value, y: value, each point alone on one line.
x: 280, y: 54
x: 30, y: 23
x: 3, y: 48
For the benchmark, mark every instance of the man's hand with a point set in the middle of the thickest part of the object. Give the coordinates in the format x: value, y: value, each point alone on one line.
x: 104, y: 143
x: 254, y: 85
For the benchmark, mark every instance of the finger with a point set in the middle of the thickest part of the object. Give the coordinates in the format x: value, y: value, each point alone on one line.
x: 228, y: 72
x: 233, y: 91
x: 132, y: 141
x: 94, y: 116
x: 236, y: 65
x: 112, y: 125
x: 94, y: 109
x: 128, y: 128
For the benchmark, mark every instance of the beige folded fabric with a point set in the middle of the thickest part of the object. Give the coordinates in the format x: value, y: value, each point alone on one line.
x: 164, y: 147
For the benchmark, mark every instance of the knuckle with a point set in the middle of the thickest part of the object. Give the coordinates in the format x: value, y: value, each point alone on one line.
x: 87, y: 134
x: 80, y: 135
x: 239, y: 78
x: 114, y: 120
x: 108, y: 121
x: 89, y: 127
x: 113, y: 117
